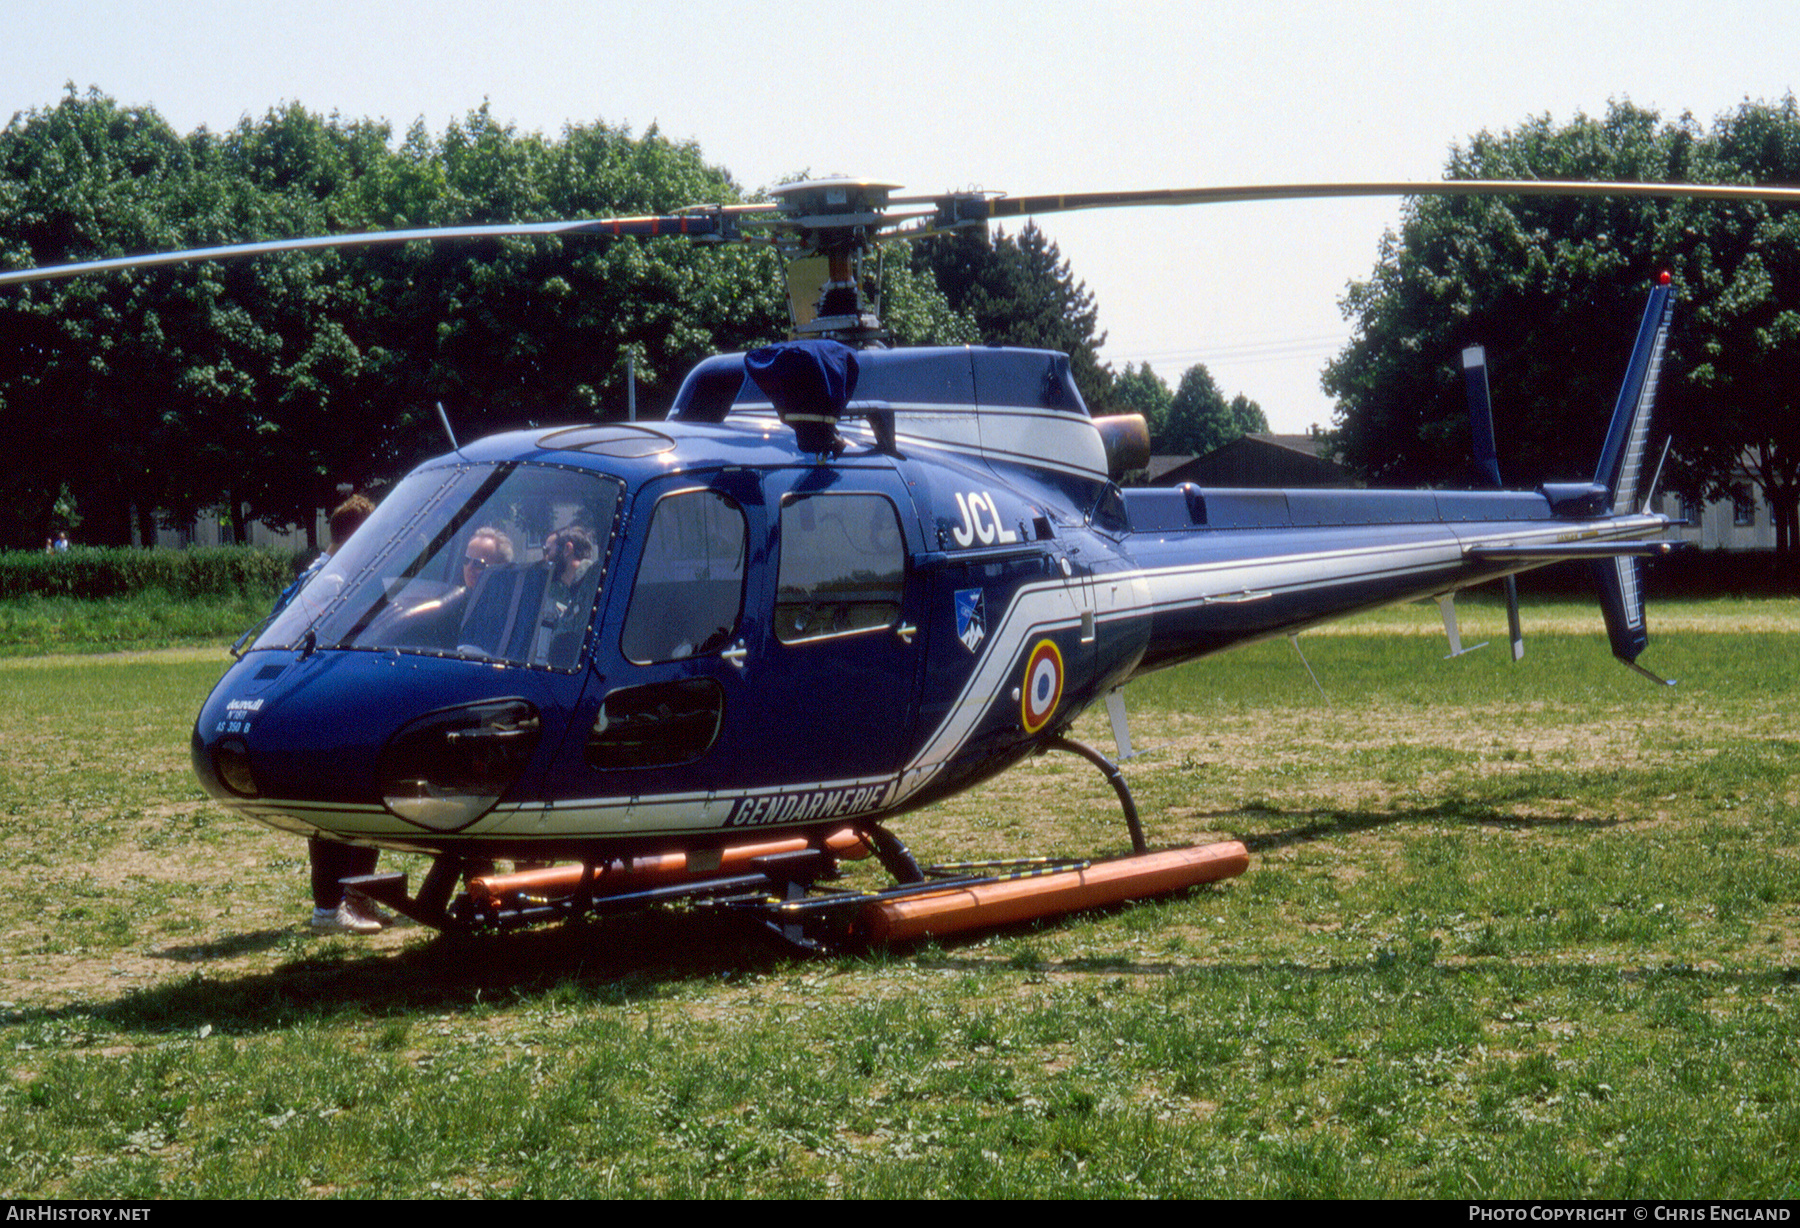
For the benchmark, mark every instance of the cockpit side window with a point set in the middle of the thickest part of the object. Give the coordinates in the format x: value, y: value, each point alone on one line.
x: 843, y: 566
x: 689, y: 591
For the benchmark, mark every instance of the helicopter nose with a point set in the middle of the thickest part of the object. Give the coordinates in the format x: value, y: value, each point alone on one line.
x: 222, y: 763
x: 363, y: 742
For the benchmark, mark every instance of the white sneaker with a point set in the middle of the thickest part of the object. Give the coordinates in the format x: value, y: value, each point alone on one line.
x: 344, y: 919
x: 367, y: 909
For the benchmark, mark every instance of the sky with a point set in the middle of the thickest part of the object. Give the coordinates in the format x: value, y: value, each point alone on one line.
x: 1046, y: 97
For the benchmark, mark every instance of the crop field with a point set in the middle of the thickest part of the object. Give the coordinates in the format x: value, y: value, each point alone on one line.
x: 1508, y: 931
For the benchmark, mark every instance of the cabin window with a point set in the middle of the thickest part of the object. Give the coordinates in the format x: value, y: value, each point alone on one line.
x: 843, y: 565
x: 453, y: 563
x: 1110, y: 515
x: 689, y: 591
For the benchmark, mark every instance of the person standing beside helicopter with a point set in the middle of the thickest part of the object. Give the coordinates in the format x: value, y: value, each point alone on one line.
x: 335, y: 911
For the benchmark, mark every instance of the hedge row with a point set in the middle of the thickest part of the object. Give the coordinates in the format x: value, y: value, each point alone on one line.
x: 87, y: 573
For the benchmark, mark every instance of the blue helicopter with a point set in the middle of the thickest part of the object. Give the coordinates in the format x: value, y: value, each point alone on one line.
x: 705, y: 658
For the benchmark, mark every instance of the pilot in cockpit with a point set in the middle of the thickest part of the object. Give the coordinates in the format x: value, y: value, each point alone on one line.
x: 488, y: 547
x: 440, y: 621
x: 570, y: 553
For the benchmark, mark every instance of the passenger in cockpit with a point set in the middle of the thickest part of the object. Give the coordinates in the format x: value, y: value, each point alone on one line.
x: 569, y: 551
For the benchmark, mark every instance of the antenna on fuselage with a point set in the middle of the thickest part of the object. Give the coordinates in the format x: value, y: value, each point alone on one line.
x: 445, y: 419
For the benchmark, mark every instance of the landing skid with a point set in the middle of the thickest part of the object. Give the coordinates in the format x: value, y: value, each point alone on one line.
x: 784, y: 888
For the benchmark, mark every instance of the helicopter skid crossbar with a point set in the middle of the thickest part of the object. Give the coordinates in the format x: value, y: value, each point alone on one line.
x: 609, y: 887
x: 777, y: 884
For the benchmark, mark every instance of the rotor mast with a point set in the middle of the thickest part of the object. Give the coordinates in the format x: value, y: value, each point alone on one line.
x: 825, y: 228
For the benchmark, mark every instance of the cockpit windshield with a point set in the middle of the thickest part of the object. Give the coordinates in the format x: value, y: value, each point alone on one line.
x: 492, y: 562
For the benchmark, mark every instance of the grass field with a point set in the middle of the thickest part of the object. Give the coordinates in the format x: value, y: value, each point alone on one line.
x: 1508, y: 931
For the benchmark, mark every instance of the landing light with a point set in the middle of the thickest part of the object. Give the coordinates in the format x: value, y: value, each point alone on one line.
x: 231, y: 760
x: 447, y: 769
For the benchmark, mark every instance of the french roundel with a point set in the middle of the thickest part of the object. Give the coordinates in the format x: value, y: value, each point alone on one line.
x: 1043, y: 686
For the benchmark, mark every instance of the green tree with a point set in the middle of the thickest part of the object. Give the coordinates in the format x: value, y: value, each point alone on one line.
x: 1021, y: 292
x: 184, y: 387
x: 261, y: 383
x: 1247, y: 417
x: 96, y: 367
x: 1738, y: 405
x: 1199, y: 419
x: 1139, y: 390
x: 510, y: 331
x: 1553, y: 287
x: 916, y: 310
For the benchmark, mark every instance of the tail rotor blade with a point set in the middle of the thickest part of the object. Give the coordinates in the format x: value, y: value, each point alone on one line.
x: 1487, y: 463
x: 1481, y: 414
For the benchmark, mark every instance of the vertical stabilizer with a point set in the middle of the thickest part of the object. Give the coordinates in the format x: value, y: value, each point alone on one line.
x: 1622, y: 460
x: 1621, y: 469
x: 1481, y: 415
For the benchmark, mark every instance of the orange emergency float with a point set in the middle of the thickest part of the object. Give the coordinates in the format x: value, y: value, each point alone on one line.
x: 1022, y: 899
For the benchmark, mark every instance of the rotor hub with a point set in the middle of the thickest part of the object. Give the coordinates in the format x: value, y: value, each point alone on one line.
x: 831, y: 217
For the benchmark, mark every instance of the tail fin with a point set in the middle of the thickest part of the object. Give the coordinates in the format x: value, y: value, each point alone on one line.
x: 1621, y: 468
x: 1622, y: 460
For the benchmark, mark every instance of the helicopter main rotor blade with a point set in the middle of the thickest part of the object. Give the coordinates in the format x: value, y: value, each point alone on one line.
x: 709, y: 225
x: 951, y: 211
x: 960, y: 209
